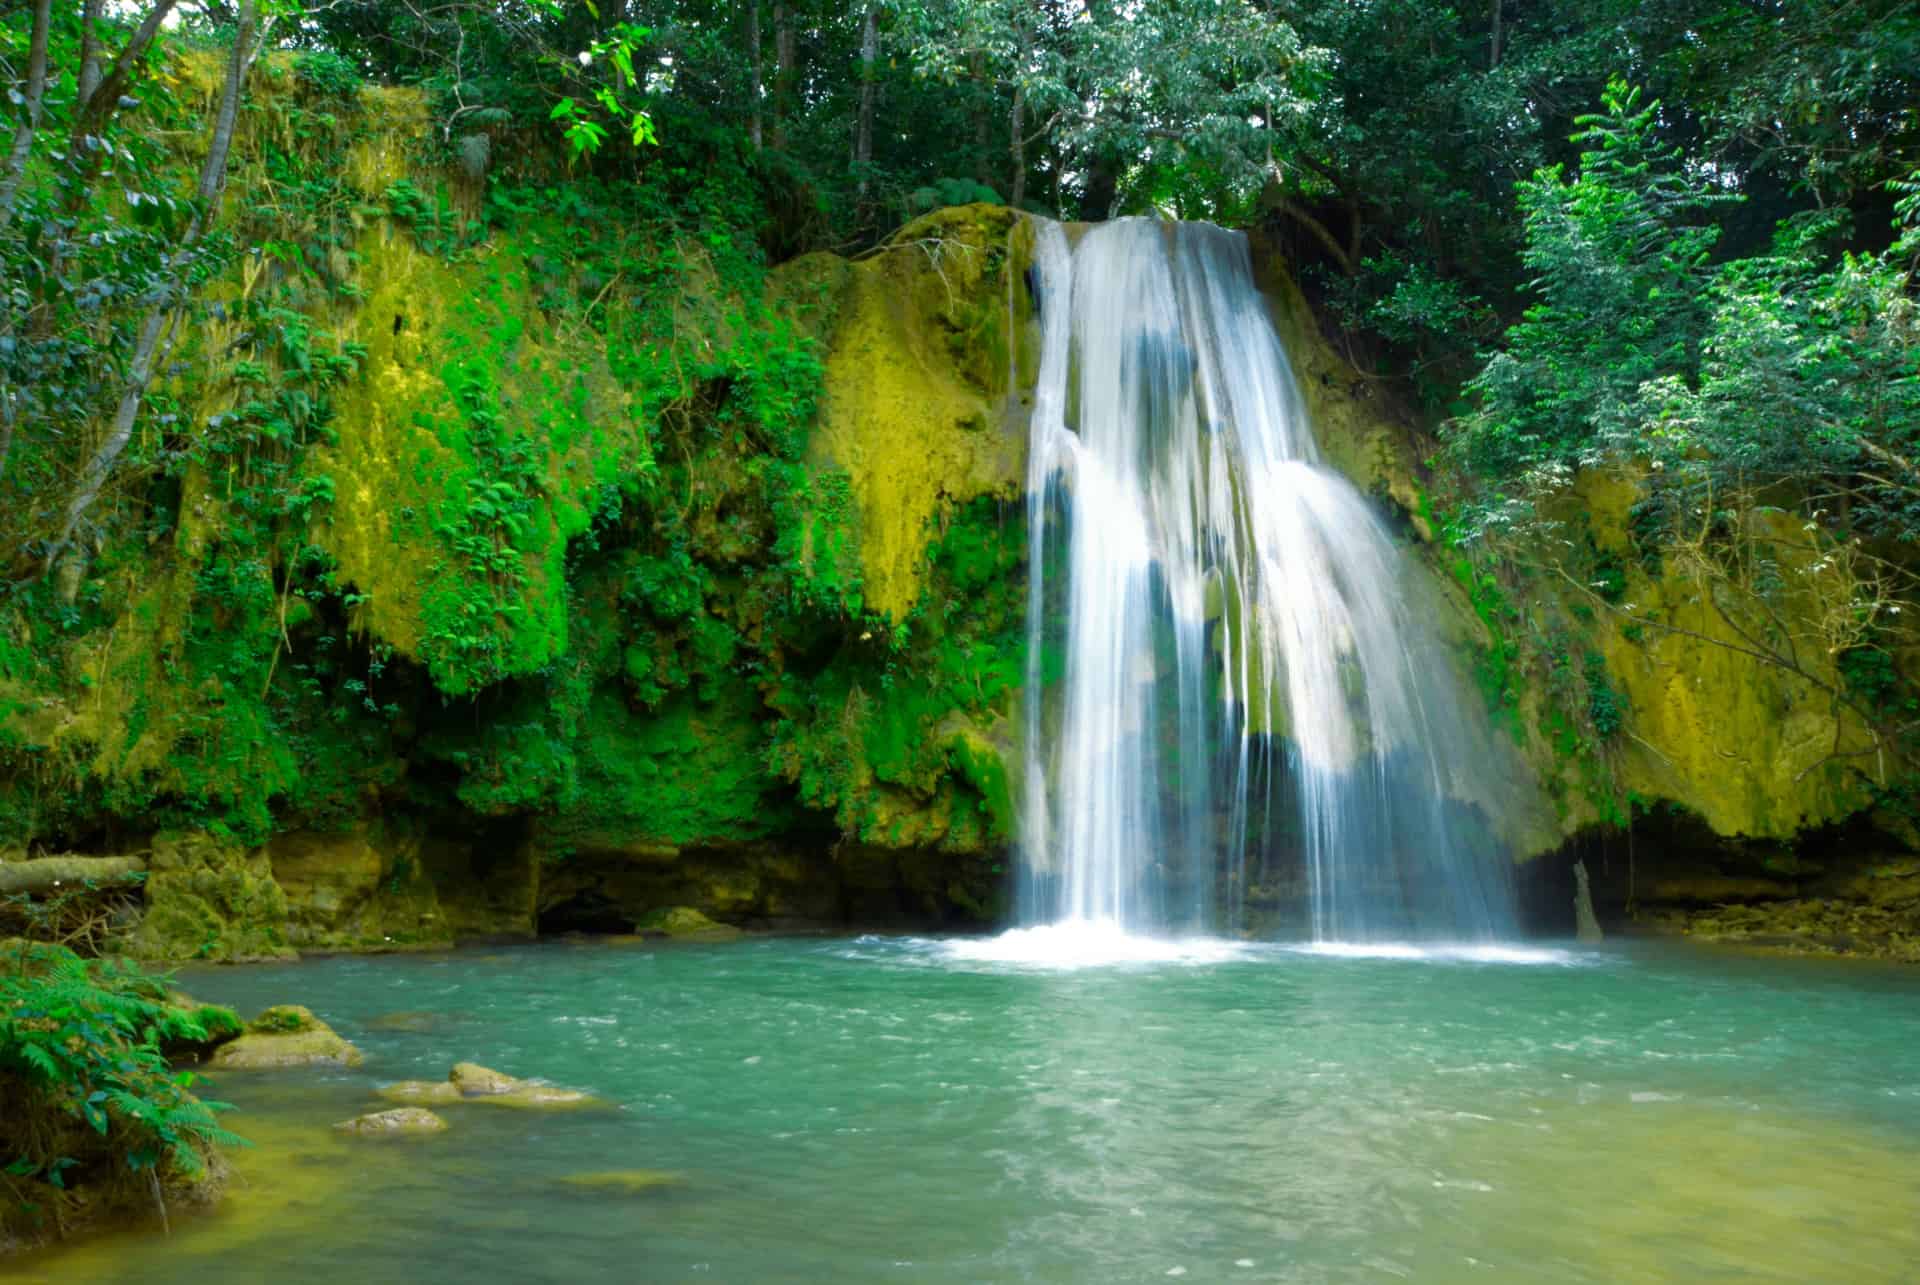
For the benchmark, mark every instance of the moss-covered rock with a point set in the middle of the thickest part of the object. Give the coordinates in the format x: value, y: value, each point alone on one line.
x: 474, y: 423
x: 540, y: 1097
x: 476, y: 1083
x: 921, y: 407
x: 473, y: 1080
x: 207, y: 898
x: 399, y: 1122
x: 684, y: 923
x: 1801, y: 926
x: 358, y: 888
x: 284, y: 1036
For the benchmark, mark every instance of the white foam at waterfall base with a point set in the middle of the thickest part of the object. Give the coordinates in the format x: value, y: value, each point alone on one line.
x: 1442, y: 952
x: 1103, y: 943
x: 1088, y: 943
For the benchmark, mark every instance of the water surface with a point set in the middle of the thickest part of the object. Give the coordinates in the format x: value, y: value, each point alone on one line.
x: 888, y: 1109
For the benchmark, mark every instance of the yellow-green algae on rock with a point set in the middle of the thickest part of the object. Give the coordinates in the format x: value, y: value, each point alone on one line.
x: 398, y: 1122
x: 1710, y: 724
x: 209, y: 899
x: 1753, y: 747
x: 922, y: 383
x: 684, y: 923
x: 477, y: 1083
x: 456, y: 353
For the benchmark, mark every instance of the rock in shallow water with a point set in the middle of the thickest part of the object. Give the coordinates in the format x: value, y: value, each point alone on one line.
x: 624, y: 1182
x: 400, y: 1120
x: 684, y: 923
x: 285, y: 1035
x: 541, y: 1097
x: 472, y: 1081
x: 420, y: 1091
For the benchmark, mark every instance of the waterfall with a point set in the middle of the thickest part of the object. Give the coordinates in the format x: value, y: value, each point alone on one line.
x: 1225, y: 673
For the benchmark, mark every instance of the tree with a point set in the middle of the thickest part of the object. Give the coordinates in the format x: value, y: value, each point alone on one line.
x: 1620, y: 253
x: 249, y: 35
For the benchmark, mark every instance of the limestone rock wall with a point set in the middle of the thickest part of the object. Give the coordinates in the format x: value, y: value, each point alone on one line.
x: 1730, y: 706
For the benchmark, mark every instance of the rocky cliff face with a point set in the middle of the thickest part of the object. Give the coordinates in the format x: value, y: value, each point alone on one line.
x: 580, y: 578
x: 1690, y: 721
x: 575, y: 579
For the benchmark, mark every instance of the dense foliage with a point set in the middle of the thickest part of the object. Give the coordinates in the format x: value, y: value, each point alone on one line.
x: 91, y: 1100
x: 1676, y: 236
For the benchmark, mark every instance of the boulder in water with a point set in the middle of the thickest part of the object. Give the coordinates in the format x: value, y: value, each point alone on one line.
x: 285, y: 1035
x: 474, y: 1081
x: 481, y: 1084
x: 399, y: 1121
x: 684, y: 923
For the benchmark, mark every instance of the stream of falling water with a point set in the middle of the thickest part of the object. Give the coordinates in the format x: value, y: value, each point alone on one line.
x: 1225, y: 673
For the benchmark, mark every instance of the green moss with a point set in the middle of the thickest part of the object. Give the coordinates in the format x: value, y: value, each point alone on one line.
x: 899, y: 741
x: 209, y: 900
x: 687, y: 773
x: 471, y: 451
x: 486, y: 521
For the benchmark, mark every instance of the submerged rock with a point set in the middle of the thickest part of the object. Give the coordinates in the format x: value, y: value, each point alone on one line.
x: 420, y: 1091
x: 399, y: 1120
x: 412, y: 1023
x: 541, y: 1097
x: 684, y: 923
x: 624, y: 1182
x: 285, y: 1035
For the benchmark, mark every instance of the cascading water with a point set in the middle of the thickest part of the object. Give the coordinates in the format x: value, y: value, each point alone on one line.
x: 1218, y: 625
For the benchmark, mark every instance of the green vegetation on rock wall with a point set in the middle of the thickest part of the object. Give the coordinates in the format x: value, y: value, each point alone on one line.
x: 506, y: 547
x: 529, y: 523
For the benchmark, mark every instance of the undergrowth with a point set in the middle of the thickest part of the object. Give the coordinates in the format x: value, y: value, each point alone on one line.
x: 92, y: 1103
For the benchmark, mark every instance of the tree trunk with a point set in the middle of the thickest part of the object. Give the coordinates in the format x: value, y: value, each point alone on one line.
x: 1017, y: 124
x: 43, y: 875
x: 96, y: 107
x: 213, y: 181
x: 1101, y: 187
x: 9, y: 408
x: 753, y: 62
x: 1493, y: 62
x: 89, y: 49
x: 784, y: 70
x: 863, y: 127
x: 1017, y: 121
x: 982, y: 130
x: 30, y: 118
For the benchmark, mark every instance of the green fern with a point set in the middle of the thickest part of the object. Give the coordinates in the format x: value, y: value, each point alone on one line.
x: 85, y: 1040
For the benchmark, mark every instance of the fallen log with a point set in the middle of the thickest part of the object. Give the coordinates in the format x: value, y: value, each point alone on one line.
x: 43, y: 875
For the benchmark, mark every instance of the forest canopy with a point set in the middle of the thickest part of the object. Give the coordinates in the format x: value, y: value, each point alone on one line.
x: 1682, y: 229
